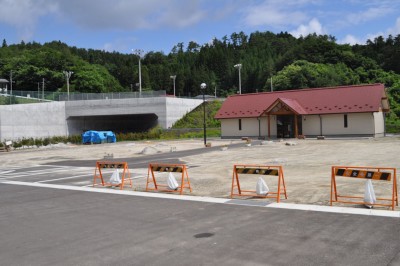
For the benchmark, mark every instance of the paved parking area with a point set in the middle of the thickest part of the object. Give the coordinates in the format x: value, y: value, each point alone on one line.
x: 51, y: 215
x: 49, y: 226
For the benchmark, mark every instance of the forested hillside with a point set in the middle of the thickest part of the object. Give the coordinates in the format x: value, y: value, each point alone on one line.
x: 306, y: 62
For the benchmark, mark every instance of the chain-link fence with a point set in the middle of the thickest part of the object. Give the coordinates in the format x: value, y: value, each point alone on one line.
x: 39, y: 96
x: 111, y: 95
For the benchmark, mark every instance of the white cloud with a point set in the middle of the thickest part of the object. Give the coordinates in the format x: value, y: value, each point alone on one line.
x: 396, y: 29
x: 131, y: 15
x: 352, y: 40
x: 23, y: 14
x: 102, y: 14
x: 275, y: 13
x: 312, y: 27
x: 369, y: 14
x: 122, y: 44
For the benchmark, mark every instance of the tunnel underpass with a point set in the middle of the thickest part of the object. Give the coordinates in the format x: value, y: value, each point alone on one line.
x: 115, y: 123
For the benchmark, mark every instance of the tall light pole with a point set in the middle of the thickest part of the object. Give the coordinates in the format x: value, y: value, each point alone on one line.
x: 68, y: 75
x: 139, y: 53
x: 43, y: 89
x: 173, y: 77
x: 11, y: 82
x: 239, y: 66
x: 272, y: 88
x: 203, y: 87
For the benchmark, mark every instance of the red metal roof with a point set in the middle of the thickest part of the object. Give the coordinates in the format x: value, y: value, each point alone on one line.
x: 332, y: 100
x: 292, y: 104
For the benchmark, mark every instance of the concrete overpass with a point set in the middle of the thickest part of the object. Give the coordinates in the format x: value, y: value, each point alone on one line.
x: 74, y: 117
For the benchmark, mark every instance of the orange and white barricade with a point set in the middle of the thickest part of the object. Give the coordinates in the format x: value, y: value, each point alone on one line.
x: 104, y: 167
x: 364, y: 172
x: 153, y: 185
x: 260, y: 170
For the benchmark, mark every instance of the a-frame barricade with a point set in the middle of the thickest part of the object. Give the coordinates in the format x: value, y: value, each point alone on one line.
x: 98, y: 179
x: 260, y: 170
x: 364, y: 172
x: 153, y: 185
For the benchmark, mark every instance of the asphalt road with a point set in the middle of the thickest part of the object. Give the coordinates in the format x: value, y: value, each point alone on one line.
x: 49, y: 226
x: 45, y: 226
x: 143, y: 161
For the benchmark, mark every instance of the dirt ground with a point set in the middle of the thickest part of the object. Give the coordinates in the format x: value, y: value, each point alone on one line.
x: 307, y: 164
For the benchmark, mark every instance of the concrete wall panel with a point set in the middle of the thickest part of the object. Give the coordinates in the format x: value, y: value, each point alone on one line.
x: 32, y: 120
x: 176, y: 108
x: 379, y: 124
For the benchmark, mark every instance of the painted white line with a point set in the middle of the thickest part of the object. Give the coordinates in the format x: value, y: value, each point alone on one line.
x: 119, y: 192
x: 25, y: 174
x: 133, y: 178
x: 47, y: 171
x: 335, y: 209
x: 62, y: 178
x: 342, y: 210
x: 6, y: 172
x: 83, y: 183
x: 15, y: 175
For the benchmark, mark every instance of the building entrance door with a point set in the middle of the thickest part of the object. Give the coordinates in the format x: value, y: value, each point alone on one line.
x: 286, y: 127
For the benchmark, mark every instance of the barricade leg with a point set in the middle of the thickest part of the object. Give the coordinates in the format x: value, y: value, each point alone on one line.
x: 153, y: 179
x: 283, y: 181
x: 235, y: 182
x: 98, y: 176
x: 124, y: 174
x: 187, y: 178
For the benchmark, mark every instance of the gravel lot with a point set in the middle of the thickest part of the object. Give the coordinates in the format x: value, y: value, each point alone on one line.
x: 307, y: 164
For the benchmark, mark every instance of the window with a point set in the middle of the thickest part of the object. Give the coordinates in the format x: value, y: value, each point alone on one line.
x: 345, y: 121
x: 240, y: 124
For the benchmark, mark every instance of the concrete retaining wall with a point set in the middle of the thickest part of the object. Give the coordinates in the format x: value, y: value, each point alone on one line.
x: 32, y: 120
x: 176, y: 108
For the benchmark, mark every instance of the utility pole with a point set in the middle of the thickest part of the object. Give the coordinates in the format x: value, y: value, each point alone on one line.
x: 11, y: 82
x: 68, y: 75
x: 43, y: 89
x: 139, y: 53
x: 239, y: 66
x: 173, y: 78
x: 272, y: 89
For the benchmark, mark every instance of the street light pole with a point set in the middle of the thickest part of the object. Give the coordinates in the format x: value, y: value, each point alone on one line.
x: 173, y: 77
x: 139, y: 53
x: 239, y: 66
x: 68, y: 76
x: 203, y: 87
x: 43, y: 89
x: 11, y: 82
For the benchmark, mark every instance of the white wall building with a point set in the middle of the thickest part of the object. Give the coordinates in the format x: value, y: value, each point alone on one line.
x: 336, y: 111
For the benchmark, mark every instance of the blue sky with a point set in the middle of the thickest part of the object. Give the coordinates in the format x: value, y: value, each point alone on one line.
x: 158, y: 25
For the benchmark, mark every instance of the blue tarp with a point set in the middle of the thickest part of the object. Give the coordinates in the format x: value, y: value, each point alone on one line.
x: 93, y: 136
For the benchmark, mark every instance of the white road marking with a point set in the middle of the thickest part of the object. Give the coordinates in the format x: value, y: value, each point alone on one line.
x: 10, y: 174
x: 62, y: 178
x: 119, y: 192
x: 335, y: 209
x: 345, y: 210
x: 6, y: 172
